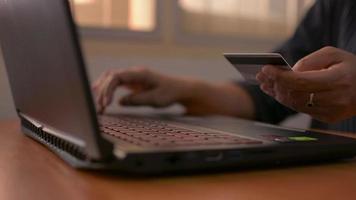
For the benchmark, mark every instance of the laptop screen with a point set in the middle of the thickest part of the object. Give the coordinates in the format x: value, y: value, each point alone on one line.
x: 45, y: 68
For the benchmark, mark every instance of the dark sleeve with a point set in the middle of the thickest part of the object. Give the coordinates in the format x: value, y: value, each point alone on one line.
x: 312, y: 34
x: 266, y: 108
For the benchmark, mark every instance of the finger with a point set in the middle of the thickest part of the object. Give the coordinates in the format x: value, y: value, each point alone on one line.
x: 311, y: 81
x: 97, y: 88
x: 261, y: 78
x: 300, y: 105
x: 109, y: 86
x: 128, y: 76
x: 320, y: 59
x: 293, y: 99
x: 323, y: 102
x: 101, y: 88
x: 266, y: 85
x: 134, y: 76
x: 267, y: 89
x: 100, y: 80
x: 301, y: 99
x: 137, y: 79
x: 264, y: 79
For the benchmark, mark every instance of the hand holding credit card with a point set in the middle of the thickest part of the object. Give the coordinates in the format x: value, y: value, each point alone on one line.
x: 250, y: 64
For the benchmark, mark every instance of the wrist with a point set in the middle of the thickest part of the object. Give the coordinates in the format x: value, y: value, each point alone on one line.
x: 194, y: 90
x: 201, y: 97
x: 228, y: 99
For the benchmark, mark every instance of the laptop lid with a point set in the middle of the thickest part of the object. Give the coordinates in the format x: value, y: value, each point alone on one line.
x: 47, y: 73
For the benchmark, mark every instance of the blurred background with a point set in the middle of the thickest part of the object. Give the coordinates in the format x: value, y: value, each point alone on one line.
x: 183, y: 37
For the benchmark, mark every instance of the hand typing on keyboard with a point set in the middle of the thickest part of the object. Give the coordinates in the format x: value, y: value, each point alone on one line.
x: 149, y: 88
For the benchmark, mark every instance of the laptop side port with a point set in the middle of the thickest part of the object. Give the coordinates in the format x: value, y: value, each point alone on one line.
x: 214, y: 156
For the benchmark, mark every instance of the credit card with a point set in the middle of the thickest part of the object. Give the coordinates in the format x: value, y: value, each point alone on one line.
x: 250, y: 64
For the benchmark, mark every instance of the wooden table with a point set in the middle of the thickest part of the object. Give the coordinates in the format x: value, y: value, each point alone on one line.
x: 29, y: 171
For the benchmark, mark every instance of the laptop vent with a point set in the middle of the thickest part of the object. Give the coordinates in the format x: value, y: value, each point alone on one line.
x: 54, y: 141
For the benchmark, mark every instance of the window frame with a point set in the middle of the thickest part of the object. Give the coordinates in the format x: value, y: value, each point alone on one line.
x: 176, y: 34
x: 205, y: 39
x: 121, y: 33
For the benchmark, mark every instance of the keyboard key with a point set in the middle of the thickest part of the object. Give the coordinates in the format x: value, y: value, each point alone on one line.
x: 149, y: 132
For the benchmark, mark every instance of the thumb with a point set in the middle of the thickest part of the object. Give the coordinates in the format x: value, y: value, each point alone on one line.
x: 321, y: 59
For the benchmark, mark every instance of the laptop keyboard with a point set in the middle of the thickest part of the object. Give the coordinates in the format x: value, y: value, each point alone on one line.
x: 149, y: 132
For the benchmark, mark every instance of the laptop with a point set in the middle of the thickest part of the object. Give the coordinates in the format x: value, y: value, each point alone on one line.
x: 53, y: 100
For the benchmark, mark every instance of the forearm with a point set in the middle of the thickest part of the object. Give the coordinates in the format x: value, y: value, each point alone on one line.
x: 218, y: 99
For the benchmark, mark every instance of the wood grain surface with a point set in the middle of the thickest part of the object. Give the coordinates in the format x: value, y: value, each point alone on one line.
x: 29, y: 171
